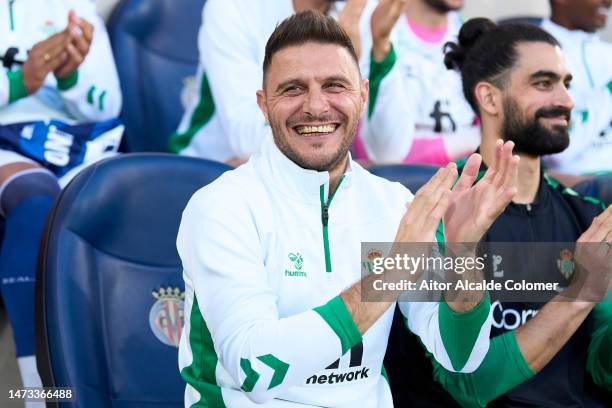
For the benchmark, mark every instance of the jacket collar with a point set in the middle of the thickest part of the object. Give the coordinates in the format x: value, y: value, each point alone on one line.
x: 297, y: 182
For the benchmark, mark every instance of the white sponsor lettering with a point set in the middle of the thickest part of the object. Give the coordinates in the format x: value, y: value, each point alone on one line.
x: 57, y: 147
x: 510, y: 319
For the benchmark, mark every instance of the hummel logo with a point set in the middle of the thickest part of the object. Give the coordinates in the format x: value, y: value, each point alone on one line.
x: 297, y: 260
x: 298, y: 264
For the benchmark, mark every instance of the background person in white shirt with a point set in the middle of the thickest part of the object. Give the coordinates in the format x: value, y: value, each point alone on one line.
x: 574, y: 23
x: 429, y: 121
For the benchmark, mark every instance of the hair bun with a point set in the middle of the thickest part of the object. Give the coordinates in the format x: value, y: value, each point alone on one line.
x: 454, y: 56
x: 470, y: 32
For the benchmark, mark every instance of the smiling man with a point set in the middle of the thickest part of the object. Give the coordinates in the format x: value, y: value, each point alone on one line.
x: 220, y: 122
x: 271, y: 251
x: 318, y: 142
x: 555, y: 354
x: 517, y: 80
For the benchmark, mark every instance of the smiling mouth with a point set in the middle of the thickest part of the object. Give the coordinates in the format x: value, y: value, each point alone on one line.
x: 316, y: 130
x: 603, y: 11
x: 563, y: 120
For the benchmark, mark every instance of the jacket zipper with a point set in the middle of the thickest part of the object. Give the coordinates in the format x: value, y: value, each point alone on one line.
x: 532, y: 234
x: 12, y: 20
x: 325, y: 222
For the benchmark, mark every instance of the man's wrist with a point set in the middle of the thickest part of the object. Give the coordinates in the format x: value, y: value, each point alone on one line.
x: 381, y: 49
x: 582, y: 306
x: 461, y: 249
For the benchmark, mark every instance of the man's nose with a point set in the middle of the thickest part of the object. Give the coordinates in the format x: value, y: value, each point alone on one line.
x: 316, y: 102
x: 564, y: 99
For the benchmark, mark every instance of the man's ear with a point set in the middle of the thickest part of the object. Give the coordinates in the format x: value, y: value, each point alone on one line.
x: 365, y: 90
x: 488, y: 97
x: 261, y: 101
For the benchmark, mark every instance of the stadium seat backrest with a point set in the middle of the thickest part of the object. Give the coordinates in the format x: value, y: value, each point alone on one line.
x: 1, y: 230
x: 412, y: 176
x: 109, y: 284
x: 155, y: 48
x: 534, y: 20
x: 599, y: 187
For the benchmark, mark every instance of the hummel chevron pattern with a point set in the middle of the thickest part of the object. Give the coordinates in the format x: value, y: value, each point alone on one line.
x: 280, y: 370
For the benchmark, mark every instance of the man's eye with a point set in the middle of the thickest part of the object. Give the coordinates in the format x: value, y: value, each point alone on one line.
x: 543, y: 84
x: 293, y: 90
x: 335, y: 86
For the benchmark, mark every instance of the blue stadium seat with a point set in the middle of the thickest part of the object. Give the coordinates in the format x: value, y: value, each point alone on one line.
x: 1, y: 238
x: 599, y: 187
x: 1, y: 230
x: 534, y: 20
x: 412, y: 176
x: 155, y: 47
x: 109, y: 283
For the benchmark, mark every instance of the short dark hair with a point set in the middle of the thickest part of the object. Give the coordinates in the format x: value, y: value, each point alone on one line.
x: 307, y: 26
x: 487, y: 52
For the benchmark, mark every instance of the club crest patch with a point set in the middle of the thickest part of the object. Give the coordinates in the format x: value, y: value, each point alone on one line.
x: 167, y: 315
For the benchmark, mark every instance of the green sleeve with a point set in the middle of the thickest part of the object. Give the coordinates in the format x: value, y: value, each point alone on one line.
x: 459, y: 331
x: 17, y: 89
x: 66, y: 83
x: 440, y: 233
x: 378, y: 71
x: 337, y: 316
x: 599, y: 357
x: 502, y: 369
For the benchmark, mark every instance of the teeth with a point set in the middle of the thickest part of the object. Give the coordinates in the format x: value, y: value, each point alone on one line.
x: 316, y: 129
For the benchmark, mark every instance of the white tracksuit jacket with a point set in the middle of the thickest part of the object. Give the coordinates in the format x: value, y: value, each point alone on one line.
x: 95, y: 95
x: 263, y: 271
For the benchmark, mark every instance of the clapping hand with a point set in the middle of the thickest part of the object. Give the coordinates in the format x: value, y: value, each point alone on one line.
x: 474, y: 207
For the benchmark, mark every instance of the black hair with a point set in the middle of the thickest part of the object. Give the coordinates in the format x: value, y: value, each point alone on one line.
x: 307, y: 26
x: 487, y: 52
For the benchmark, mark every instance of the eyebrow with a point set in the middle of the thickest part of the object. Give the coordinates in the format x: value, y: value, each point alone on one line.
x: 550, y: 75
x: 289, y: 82
x: 337, y: 78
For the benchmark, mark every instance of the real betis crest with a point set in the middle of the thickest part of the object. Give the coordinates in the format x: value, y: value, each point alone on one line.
x: 49, y: 28
x: 565, y: 263
x: 368, y: 265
